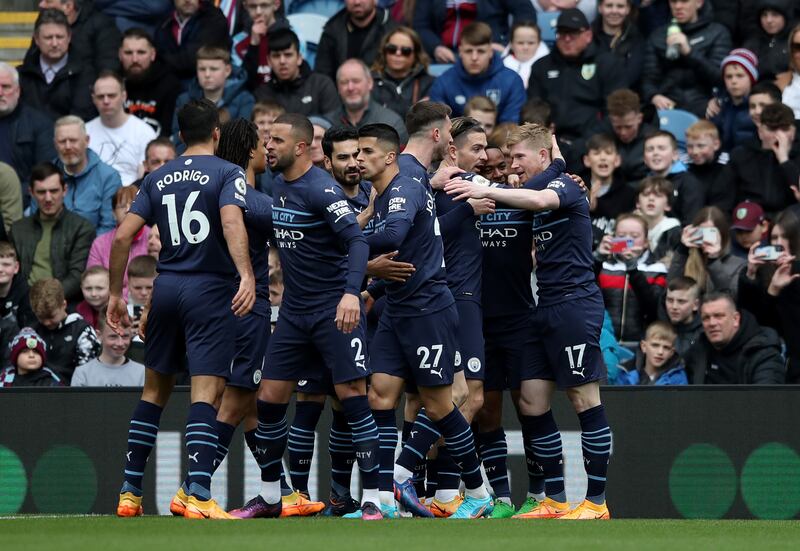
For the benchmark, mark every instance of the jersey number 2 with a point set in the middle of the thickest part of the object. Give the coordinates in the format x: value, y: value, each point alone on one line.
x: 187, y: 218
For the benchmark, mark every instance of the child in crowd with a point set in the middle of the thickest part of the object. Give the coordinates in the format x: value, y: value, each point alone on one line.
x: 15, y: 308
x: 658, y: 364
x: 762, y: 94
x: 661, y: 159
x: 483, y: 110
x: 609, y: 195
x: 653, y: 203
x: 525, y: 48
x: 71, y: 341
x: 682, y: 310
x: 111, y: 368
x: 264, y: 114
x: 28, y: 356
x: 730, y: 111
x: 141, y: 276
x: 95, y: 289
x: 706, y: 161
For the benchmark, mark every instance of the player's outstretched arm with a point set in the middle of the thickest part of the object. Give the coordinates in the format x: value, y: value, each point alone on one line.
x: 117, y: 311
x: 527, y: 199
x: 236, y: 237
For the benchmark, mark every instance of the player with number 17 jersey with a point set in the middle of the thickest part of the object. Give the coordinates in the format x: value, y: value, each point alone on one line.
x: 193, y: 291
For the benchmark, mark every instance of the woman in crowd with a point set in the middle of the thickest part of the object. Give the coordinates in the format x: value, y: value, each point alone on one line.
x: 100, y: 253
x: 704, y: 253
x: 770, y: 287
x: 789, y: 82
x: 616, y: 32
x: 400, y: 71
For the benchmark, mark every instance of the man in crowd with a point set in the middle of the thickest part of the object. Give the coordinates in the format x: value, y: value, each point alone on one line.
x: 117, y: 137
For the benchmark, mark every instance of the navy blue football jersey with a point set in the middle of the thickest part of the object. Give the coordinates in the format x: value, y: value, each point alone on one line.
x: 409, y: 166
x: 361, y: 201
x: 312, y: 221
x: 405, y: 220
x: 258, y: 220
x: 183, y: 198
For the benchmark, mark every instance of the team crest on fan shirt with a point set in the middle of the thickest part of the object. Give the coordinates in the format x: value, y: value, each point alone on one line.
x: 494, y: 95
x: 588, y: 70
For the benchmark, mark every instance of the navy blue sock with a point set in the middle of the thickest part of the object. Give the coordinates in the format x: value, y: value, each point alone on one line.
x: 271, y: 435
x: 201, y: 446
x: 301, y: 442
x: 461, y: 444
x: 422, y: 436
x: 596, y: 444
x: 493, y: 451
x: 448, y: 473
x: 419, y: 471
x: 535, y: 474
x: 225, y: 433
x: 252, y: 442
x: 343, y: 456
x: 432, y: 477
x: 365, y: 439
x: 387, y: 430
x: 545, y: 441
x: 141, y: 440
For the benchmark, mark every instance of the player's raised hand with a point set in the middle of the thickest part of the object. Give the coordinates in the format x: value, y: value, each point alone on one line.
x: 482, y: 206
x: 348, y: 313
x: 117, y: 314
x: 384, y: 266
x: 556, y: 151
x: 462, y: 190
x: 443, y: 176
x: 245, y: 297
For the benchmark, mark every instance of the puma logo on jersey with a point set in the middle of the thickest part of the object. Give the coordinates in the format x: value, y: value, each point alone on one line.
x: 396, y: 188
x: 282, y: 199
x: 330, y: 190
x: 193, y: 456
x: 439, y: 372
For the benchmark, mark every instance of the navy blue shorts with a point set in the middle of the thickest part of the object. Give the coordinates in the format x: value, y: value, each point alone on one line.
x: 470, y: 340
x: 300, y: 340
x: 190, y: 317
x: 420, y: 349
x: 505, y: 339
x: 252, y: 336
x: 564, y: 345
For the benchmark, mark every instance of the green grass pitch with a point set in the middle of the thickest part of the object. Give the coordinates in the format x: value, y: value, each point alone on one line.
x: 106, y: 533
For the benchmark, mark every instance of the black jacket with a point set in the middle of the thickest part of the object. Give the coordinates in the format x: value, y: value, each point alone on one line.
x: 430, y: 17
x: 688, y: 80
x: 772, y: 50
x: 620, y: 198
x: 754, y: 350
x: 31, y: 136
x: 16, y: 305
x: 69, y: 345
x: 208, y: 27
x: 151, y: 97
x: 758, y: 176
x: 70, y: 93
x: 629, y: 47
x: 41, y: 377
x: 94, y: 42
x: 332, y: 50
x: 576, y: 89
x: 716, y: 180
x: 308, y: 94
x: 689, y: 196
x: 400, y: 95
x: 632, y: 166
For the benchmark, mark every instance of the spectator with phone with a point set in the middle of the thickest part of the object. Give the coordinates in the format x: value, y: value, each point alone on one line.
x: 656, y: 362
x: 141, y: 275
x: 630, y: 277
x: 704, y: 253
x: 749, y: 227
x: 734, y: 348
x: 654, y: 202
x: 769, y: 287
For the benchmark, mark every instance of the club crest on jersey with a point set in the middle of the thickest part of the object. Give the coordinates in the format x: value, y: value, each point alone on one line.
x: 457, y: 361
x: 256, y: 376
x: 302, y: 382
x: 241, y: 186
x: 474, y: 365
x: 588, y: 70
x: 460, y: 100
x: 494, y: 94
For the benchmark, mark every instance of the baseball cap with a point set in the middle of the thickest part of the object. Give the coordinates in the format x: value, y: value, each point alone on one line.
x: 747, y: 215
x: 573, y: 19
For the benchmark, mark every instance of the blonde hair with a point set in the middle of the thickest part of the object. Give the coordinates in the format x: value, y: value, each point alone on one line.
x: 696, y: 263
x: 702, y: 128
x: 660, y: 330
x: 536, y: 135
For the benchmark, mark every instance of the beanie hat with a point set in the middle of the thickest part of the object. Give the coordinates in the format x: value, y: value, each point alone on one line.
x: 747, y: 59
x: 27, y: 339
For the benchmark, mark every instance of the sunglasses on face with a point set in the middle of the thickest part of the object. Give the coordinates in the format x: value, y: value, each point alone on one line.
x: 393, y: 49
x: 795, y: 47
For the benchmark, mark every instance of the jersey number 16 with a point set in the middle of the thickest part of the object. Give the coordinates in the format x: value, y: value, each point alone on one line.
x: 187, y: 218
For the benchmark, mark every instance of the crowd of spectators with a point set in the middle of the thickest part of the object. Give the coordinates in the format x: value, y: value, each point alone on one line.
x: 696, y: 230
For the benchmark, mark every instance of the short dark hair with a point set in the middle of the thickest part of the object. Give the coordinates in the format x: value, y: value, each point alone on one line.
x: 161, y: 140
x: 140, y: 33
x: 714, y: 296
x: 476, y: 33
x: 769, y: 88
x: 336, y: 134
x: 657, y: 185
x: 601, y: 141
x: 662, y: 134
x: 463, y: 127
x: 51, y: 16
x: 237, y: 138
x: 423, y: 114
x: 282, y: 38
x: 621, y: 102
x: 108, y: 73
x: 302, y: 129
x: 197, y: 121
x: 385, y: 134
x: 683, y: 283
x: 44, y: 170
x: 142, y: 266
x: 777, y: 115
x: 538, y: 111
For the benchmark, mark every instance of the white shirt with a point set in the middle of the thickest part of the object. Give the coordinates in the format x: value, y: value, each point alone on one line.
x: 50, y: 71
x: 791, y: 95
x: 523, y: 68
x: 123, y: 148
